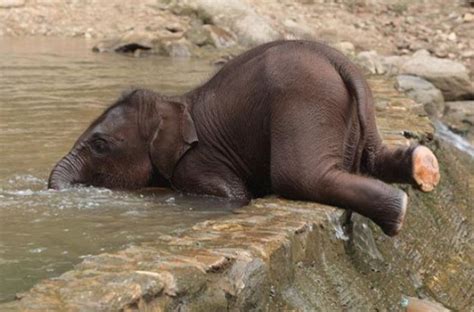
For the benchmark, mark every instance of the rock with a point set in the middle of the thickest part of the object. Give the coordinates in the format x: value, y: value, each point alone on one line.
x: 213, y: 35
x: 297, y: 30
x: 238, y: 16
x: 422, y: 92
x: 219, y: 37
x: 468, y: 17
x: 5, y: 4
x: 450, y: 77
x: 421, y: 53
x: 415, y: 304
x: 128, y: 43
x: 452, y: 36
x: 345, y: 47
x: 371, y: 61
x: 178, y: 48
x: 392, y: 63
x: 198, y: 35
x: 467, y: 54
x: 459, y: 117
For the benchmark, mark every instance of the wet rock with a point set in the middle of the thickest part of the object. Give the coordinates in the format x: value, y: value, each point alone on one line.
x: 371, y: 61
x: 450, y: 77
x: 459, y: 117
x: 176, y: 48
x: 127, y: 43
x: 5, y: 4
x: 422, y: 92
x: 412, y: 304
x: 236, y: 15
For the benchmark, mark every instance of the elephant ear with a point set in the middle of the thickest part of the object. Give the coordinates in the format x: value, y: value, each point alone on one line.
x: 174, y: 136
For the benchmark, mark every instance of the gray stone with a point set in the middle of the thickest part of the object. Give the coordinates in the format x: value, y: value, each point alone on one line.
x: 450, y: 77
x: 393, y: 63
x: 177, y: 48
x: 197, y: 35
x: 236, y: 15
x: 297, y: 30
x: 371, y: 61
x: 459, y: 117
x: 5, y: 4
x: 422, y: 92
x: 220, y: 37
x: 213, y: 35
x: 129, y: 42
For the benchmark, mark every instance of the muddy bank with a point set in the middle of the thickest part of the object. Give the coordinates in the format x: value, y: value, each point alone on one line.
x: 277, y: 255
x: 391, y: 27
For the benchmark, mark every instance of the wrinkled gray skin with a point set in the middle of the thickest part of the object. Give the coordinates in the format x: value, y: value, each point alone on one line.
x: 291, y: 117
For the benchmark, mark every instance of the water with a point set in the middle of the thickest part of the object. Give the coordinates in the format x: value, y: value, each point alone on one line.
x: 443, y: 132
x: 50, y: 90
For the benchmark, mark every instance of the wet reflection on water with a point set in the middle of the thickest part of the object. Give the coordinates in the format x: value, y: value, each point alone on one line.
x: 50, y: 90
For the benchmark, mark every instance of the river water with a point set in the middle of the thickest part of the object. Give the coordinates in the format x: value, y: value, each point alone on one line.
x: 50, y: 90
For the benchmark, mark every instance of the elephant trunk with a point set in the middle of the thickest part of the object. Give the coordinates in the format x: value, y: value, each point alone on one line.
x: 66, y: 173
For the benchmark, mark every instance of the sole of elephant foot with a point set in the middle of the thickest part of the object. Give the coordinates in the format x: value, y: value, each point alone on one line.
x: 392, y: 228
x: 425, y: 169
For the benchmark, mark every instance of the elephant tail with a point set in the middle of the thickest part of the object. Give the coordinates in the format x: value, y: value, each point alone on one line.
x: 354, y: 81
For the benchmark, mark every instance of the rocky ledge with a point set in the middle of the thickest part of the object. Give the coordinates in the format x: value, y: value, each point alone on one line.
x: 276, y: 254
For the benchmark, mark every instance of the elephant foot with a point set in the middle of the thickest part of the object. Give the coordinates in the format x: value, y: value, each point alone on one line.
x: 425, y: 169
x: 393, y: 220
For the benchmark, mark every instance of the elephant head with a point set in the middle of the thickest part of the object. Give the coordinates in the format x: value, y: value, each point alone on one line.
x: 136, y: 142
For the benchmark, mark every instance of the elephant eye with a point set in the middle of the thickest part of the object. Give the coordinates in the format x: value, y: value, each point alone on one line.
x: 100, y: 146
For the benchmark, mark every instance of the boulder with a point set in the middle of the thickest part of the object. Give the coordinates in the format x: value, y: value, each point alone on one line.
x: 371, y: 61
x: 177, y: 48
x: 295, y: 30
x: 422, y: 92
x: 345, y: 47
x: 220, y: 37
x: 393, y: 63
x: 238, y: 16
x: 128, y: 43
x: 212, y: 35
x: 450, y: 77
x: 459, y: 117
x: 5, y: 4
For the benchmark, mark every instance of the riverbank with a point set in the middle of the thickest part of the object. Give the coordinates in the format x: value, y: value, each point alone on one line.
x: 428, y: 43
x: 390, y: 27
x: 276, y: 254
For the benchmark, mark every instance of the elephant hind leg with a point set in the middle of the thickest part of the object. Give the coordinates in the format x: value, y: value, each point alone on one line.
x: 415, y: 164
x: 382, y: 203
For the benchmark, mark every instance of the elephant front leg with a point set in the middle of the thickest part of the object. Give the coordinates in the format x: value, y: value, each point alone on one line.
x: 219, y: 183
x: 415, y: 165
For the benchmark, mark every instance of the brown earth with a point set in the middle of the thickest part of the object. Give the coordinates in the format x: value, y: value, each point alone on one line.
x: 444, y: 27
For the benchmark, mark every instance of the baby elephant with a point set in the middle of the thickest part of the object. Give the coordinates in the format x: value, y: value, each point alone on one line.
x: 295, y: 118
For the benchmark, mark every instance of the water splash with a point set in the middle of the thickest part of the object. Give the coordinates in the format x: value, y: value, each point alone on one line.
x: 443, y: 132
